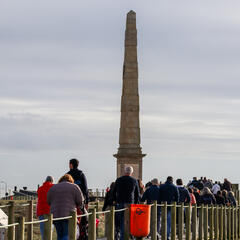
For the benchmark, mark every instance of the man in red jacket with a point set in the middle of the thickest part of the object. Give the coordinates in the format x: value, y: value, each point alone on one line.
x: 42, y: 205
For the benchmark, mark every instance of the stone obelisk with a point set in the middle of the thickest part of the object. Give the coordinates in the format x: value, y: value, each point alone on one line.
x: 129, y: 151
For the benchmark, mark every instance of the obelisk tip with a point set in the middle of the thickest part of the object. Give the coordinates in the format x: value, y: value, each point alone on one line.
x: 131, y: 12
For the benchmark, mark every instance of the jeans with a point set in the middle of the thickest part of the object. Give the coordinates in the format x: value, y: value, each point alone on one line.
x: 168, y: 223
x: 119, y: 220
x: 62, y: 229
x: 41, y: 226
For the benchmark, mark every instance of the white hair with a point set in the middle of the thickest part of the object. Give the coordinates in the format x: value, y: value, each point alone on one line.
x: 129, y: 170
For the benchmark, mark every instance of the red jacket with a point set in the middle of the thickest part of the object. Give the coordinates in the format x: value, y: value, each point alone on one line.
x: 42, y: 206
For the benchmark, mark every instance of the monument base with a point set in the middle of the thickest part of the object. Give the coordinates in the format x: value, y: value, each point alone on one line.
x: 134, y: 160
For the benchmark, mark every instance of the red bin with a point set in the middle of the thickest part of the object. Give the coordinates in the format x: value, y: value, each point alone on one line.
x: 140, y: 220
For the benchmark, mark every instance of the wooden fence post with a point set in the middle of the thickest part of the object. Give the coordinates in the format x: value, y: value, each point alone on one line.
x: 92, y: 224
x: 127, y: 223
x: 200, y: 235
x: 194, y: 222
x: 211, y: 222
x: 216, y: 223
x: 164, y: 221
x: 229, y: 223
x: 111, y: 226
x: 236, y: 222
x: 220, y: 222
x: 97, y: 216
x: 224, y: 223
x: 20, y: 228
x: 238, y: 212
x: 180, y: 211
x: 188, y: 222
x: 11, y: 232
x: 233, y: 222
x: 48, y: 227
x: 206, y: 222
x: 153, y: 225
x: 173, y: 221
x: 30, y: 219
x: 72, y: 226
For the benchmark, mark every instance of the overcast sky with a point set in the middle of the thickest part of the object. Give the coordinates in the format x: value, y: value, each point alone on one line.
x: 61, y: 78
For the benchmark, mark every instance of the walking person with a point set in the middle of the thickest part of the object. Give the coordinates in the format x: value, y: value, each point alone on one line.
x: 42, y: 205
x: 168, y: 192
x: 63, y: 199
x: 126, y: 191
x: 150, y: 195
x: 79, y: 179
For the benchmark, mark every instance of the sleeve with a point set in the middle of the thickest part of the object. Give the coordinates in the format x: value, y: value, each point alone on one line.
x: 78, y: 196
x: 176, y: 195
x: 49, y: 197
x: 85, y: 188
x: 136, y: 193
x: 188, y: 197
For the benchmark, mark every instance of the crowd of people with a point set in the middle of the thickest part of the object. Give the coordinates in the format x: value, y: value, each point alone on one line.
x: 71, y: 193
x: 128, y: 190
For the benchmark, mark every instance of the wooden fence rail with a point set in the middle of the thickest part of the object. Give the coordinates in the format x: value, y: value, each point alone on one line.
x: 187, y: 222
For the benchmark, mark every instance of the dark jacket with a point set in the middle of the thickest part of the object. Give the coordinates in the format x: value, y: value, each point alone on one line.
x: 168, y: 192
x: 63, y: 199
x: 108, y: 201
x: 208, y: 199
x: 80, y: 179
x: 227, y: 186
x: 220, y: 200
x: 126, y: 190
x: 184, y: 195
x: 151, y: 194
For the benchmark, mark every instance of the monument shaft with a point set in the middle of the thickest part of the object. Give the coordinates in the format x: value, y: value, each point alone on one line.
x: 129, y: 151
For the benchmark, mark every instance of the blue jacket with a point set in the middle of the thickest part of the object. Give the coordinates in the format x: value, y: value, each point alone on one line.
x: 168, y: 192
x: 151, y: 194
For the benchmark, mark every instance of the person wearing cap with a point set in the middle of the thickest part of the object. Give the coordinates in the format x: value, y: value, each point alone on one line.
x: 42, y: 205
x: 150, y: 195
x: 126, y: 191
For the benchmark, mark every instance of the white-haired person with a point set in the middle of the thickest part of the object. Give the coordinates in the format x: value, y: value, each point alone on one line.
x: 126, y: 191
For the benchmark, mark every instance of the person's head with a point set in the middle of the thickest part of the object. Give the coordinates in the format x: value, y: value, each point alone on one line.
x: 148, y: 184
x: 170, y: 179
x: 49, y: 179
x: 73, y: 163
x: 195, y: 178
x: 179, y: 182
x: 219, y: 193
x: 206, y: 190
x: 155, y: 182
x: 66, y: 178
x: 190, y: 190
x: 224, y: 192
x: 128, y: 170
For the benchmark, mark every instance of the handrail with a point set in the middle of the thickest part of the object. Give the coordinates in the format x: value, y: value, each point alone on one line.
x: 102, y: 212
x: 83, y: 215
x: 62, y: 218
x: 9, y: 225
x: 34, y: 222
x: 120, y: 210
x: 3, y: 206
